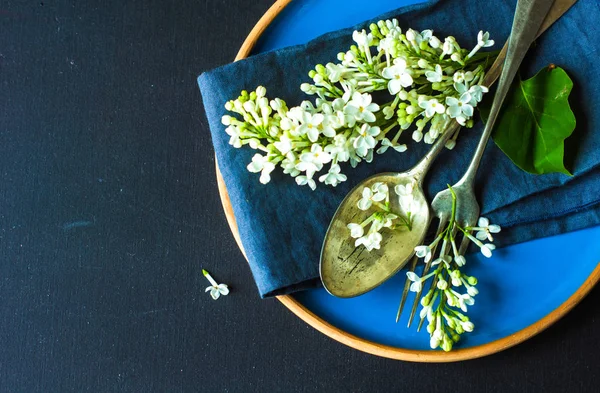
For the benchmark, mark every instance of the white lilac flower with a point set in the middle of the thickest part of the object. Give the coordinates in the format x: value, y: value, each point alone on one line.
x: 435, y: 42
x: 365, y: 202
x: 477, y: 92
x: 333, y: 177
x: 216, y: 290
x: 459, y: 77
x: 339, y: 148
x: 457, y: 107
x: 234, y: 133
x: 343, y: 113
x: 414, y: 37
x: 485, y: 230
x: 487, y: 249
x: 366, y: 139
x: 284, y: 144
x: 328, y: 125
x: 483, y: 39
x: 314, y: 160
x: 361, y: 37
x: 461, y: 88
x: 446, y: 259
x: 406, y: 197
x: 335, y: 72
x: 310, y: 125
x: 380, y: 191
x: 388, y: 220
x: 432, y: 107
x: 417, y: 283
x: 398, y: 76
x: 386, y: 143
x: 263, y: 165
x: 356, y: 230
x: 371, y: 241
x: 423, y: 252
x: 448, y: 46
x: 362, y: 107
x: 376, y: 193
x: 435, y: 75
x: 289, y: 164
x: 307, y: 179
x: 427, y: 34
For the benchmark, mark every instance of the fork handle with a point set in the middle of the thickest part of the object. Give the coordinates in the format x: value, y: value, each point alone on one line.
x: 528, y: 19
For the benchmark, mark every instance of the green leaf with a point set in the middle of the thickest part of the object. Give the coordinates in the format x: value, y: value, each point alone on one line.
x: 535, y: 120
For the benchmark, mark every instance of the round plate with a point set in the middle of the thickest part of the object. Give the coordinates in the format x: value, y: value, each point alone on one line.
x: 523, y: 289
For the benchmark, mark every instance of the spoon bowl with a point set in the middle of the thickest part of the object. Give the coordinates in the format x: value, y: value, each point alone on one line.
x: 348, y: 271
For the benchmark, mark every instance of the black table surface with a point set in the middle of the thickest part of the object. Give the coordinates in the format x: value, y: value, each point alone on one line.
x: 109, y: 210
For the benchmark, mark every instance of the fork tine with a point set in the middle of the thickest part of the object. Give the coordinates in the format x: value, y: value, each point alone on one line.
x: 433, y: 284
x: 463, y: 245
x: 413, y: 265
x: 441, y: 226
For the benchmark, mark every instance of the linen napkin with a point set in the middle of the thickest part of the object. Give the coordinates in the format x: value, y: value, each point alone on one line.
x: 282, y: 225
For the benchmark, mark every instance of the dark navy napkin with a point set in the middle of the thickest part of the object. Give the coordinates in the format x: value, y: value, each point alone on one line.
x: 282, y: 225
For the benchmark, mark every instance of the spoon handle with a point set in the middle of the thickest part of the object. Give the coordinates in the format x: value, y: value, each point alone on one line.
x: 419, y: 171
x: 528, y: 19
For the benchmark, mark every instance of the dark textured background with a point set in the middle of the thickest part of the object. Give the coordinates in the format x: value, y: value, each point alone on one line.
x: 109, y: 209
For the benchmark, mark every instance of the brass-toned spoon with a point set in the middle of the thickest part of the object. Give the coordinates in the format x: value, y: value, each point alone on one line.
x: 347, y: 271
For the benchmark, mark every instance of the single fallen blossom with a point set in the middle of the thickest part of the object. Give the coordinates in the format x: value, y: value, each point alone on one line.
x: 216, y: 290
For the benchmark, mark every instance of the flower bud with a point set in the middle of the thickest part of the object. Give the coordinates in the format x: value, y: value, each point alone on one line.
x: 229, y: 105
x: 249, y: 106
x: 472, y: 280
x: 226, y: 120
x: 472, y: 291
x: 467, y: 326
x: 261, y: 91
x: 422, y: 63
x: 262, y: 102
x: 442, y: 285
x: 451, y: 144
x: 320, y: 69
x: 447, y: 344
x: 305, y: 87
x: 434, y: 342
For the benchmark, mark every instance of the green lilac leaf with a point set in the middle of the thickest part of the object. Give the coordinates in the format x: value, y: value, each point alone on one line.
x: 535, y: 120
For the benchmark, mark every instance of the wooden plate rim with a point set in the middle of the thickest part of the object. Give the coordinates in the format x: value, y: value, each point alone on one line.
x: 365, y: 345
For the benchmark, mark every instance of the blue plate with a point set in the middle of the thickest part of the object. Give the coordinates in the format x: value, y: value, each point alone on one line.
x: 520, y: 286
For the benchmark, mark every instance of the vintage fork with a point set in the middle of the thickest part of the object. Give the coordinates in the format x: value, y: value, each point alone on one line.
x: 527, y: 21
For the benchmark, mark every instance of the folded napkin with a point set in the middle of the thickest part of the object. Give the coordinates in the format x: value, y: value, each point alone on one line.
x: 282, y: 225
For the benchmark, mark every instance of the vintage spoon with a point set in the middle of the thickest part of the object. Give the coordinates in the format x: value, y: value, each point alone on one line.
x: 347, y: 271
